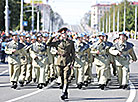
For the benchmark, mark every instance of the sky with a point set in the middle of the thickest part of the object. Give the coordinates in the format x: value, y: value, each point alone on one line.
x: 73, y: 10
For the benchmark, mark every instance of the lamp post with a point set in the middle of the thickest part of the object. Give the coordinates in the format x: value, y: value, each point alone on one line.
x: 7, y: 18
x: 136, y: 22
x: 124, y: 15
x: 113, y: 18
x: 118, y: 19
x: 32, y: 15
x: 21, y: 17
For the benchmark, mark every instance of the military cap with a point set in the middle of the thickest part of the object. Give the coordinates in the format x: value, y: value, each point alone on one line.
x: 122, y: 33
x: 63, y: 29
x: 33, y: 37
x: 45, y: 35
x: 22, y: 34
x: 14, y: 34
x: 101, y: 34
x: 28, y: 36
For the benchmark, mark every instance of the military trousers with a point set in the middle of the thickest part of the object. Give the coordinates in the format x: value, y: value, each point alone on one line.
x: 123, y: 74
x: 14, y: 71
x: 64, y: 72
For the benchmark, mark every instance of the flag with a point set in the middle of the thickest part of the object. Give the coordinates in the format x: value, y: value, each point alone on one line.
x: 37, y: 1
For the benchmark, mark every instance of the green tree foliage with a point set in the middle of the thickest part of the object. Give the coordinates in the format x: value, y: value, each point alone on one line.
x: 130, y: 17
x: 14, y: 16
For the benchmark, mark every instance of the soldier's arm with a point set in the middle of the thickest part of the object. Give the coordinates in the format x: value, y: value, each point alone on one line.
x: 8, y: 50
x: 32, y: 54
x: 114, y: 51
x: 132, y: 54
x: 50, y: 43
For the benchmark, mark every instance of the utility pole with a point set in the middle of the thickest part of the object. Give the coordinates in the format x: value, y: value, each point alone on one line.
x: 38, y: 28
x: 113, y: 18
x: 7, y: 18
x: 21, y: 17
x: 106, y: 24
x: 109, y: 21
x: 32, y: 15
x: 124, y: 15
x: 118, y: 20
x: 103, y: 24
x: 136, y: 22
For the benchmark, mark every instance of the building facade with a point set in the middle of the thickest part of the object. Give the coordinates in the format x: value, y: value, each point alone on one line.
x: 98, y: 11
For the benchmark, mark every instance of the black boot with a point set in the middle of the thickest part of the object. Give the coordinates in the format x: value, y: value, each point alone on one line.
x: 21, y: 83
x: 64, y: 96
x: 61, y: 86
x: 125, y: 86
x: 103, y: 86
x: 64, y: 92
x: 79, y: 86
x: 14, y: 85
x: 40, y: 86
x: 86, y: 83
x: 27, y: 82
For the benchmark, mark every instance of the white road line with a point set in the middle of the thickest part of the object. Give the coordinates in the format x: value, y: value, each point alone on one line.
x: 132, y: 94
x: 31, y: 94
x: 3, y: 72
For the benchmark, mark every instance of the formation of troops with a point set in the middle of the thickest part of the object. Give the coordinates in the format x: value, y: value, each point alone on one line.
x: 63, y: 56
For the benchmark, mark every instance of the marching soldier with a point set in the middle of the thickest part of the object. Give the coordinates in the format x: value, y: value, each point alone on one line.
x: 39, y: 57
x: 23, y: 61
x: 28, y: 77
x: 123, y: 52
x: 101, y: 60
x: 66, y: 55
x: 14, y: 49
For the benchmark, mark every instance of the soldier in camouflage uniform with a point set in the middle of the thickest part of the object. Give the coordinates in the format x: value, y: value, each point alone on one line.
x: 101, y: 60
x: 14, y: 49
x: 123, y: 52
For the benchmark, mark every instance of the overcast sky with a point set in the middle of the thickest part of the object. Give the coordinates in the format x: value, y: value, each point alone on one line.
x: 73, y: 10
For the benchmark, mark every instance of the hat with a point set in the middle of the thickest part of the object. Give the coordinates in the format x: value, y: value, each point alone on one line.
x: 63, y: 29
x: 22, y: 34
x: 45, y: 35
x: 122, y: 33
x: 101, y: 34
x: 33, y: 37
x: 39, y: 34
x: 28, y: 36
x: 14, y: 34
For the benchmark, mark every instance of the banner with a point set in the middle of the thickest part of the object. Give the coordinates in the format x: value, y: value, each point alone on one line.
x: 37, y: 1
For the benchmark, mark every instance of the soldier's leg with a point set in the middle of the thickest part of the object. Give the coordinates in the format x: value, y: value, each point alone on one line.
x: 86, y: 74
x: 52, y: 72
x: 125, y: 76
x: 34, y: 73
x: 80, y: 77
x: 28, y: 76
x: 22, y: 74
x: 59, y: 75
x: 66, y: 74
x: 119, y: 72
x: 15, y: 75
x: 11, y: 70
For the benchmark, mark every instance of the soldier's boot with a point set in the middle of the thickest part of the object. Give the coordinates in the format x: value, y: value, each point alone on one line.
x: 85, y: 83
x: 27, y: 82
x: 21, y: 83
x: 64, y: 92
x: 79, y: 86
x: 102, y: 86
x: 125, y: 86
x: 40, y: 86
x: 46, y: 83
x: 61, y: 86
x: 14, y: 85
x: 34, y: 80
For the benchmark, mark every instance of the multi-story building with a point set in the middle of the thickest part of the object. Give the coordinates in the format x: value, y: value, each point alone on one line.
x: 97, y: 11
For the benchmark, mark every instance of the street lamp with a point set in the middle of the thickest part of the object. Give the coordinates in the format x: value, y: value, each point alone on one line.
x: 7, y: 18
x: 118, y: 19
x: 21, y: 17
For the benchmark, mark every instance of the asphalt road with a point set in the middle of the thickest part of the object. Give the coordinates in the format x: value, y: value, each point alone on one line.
x: 52, y: 93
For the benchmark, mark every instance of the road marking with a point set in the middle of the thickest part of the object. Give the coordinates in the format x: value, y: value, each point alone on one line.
x: 31, y: 94
x: 132, y: 93
x: 3, y: 72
